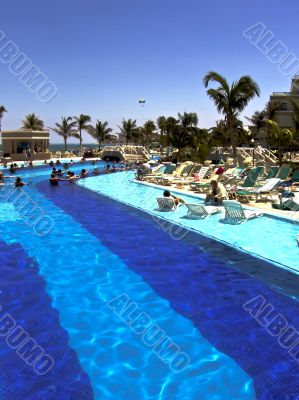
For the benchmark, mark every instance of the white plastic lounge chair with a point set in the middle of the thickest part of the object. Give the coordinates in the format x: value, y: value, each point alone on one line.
x: 166, y: 204
x: 268, y: 189
x: 235, y: 214
x: 200, y: 211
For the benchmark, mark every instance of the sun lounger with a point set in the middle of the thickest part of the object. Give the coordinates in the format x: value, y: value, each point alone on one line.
x: 176, y: 173
x: 200, y: 211
x: 186, y: 180
x: 234, y: 175
x: 235, y: 214
x: 168, y: 169
x: 200, y: 176
x: 290, y: 205
x: 273, y: 171
x: 268, y: 189
x: 295, y: 177
x: 284, y: 172
x: 166, y: 204
x: 249, y: 182
x: 184, y: 173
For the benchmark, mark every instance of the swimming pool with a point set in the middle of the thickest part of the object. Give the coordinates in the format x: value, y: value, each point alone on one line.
x: 99, y: 290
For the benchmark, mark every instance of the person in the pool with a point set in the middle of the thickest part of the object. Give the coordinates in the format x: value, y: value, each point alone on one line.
x: 72, y: 177
x: 83, y: 173
x: 20, y: 183
x: 2, y: 178
x: 177, y: 200
x: 12, y: 169
x: 96, y: 171
x: 54, y: 180
x: 217, y: 194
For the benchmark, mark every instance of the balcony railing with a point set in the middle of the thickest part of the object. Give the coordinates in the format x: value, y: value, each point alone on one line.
x: 281, y: 93
x: 285, y: 94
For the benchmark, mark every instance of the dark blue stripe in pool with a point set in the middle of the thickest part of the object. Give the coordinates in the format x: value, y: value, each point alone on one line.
x: 24, y: 299
x: 203, y: 280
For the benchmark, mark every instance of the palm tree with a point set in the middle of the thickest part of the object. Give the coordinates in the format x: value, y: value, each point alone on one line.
x: 188, y: 120
x: 257, y: 121
x: 179, y: 139
x: 100, y: 132
x: 162, y: 125
x: 66, y: 129
x: 271, y: 108
x: 2, y: 111
x: 201, y: 143
x: 171, y: 127
x: 82, y: 124
x: 282, y: 137
x: 231, y: 100
x: 148, y: 131
x: 129, y: 129
x: 32, y: 121
x: 270, y: 111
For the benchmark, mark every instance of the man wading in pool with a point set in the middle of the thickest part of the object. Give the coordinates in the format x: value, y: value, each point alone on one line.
x: 217, y: 194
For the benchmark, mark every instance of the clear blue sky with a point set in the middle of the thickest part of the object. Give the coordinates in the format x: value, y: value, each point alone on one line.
x: 105, y: 55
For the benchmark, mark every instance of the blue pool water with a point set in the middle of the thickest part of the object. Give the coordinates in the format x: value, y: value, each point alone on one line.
x: 193, y: 289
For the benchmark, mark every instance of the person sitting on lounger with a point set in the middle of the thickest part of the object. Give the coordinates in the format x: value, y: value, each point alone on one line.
x: 217, y: 194
x: 177, y: 200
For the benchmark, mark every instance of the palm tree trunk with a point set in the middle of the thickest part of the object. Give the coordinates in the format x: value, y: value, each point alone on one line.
x: 280, y: 155
x: 232, y: 136
x: 65, y: 145
x: 99, y: 145
x: 80, y: 134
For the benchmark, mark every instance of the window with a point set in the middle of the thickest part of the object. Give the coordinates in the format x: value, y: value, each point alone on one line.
x: 283, y: 107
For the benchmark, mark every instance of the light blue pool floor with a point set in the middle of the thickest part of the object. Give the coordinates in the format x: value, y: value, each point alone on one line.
x: 270, y: 238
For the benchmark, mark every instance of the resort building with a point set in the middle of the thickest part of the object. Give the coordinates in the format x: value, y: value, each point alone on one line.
x: 284, y: 115
x: 26, y: 144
